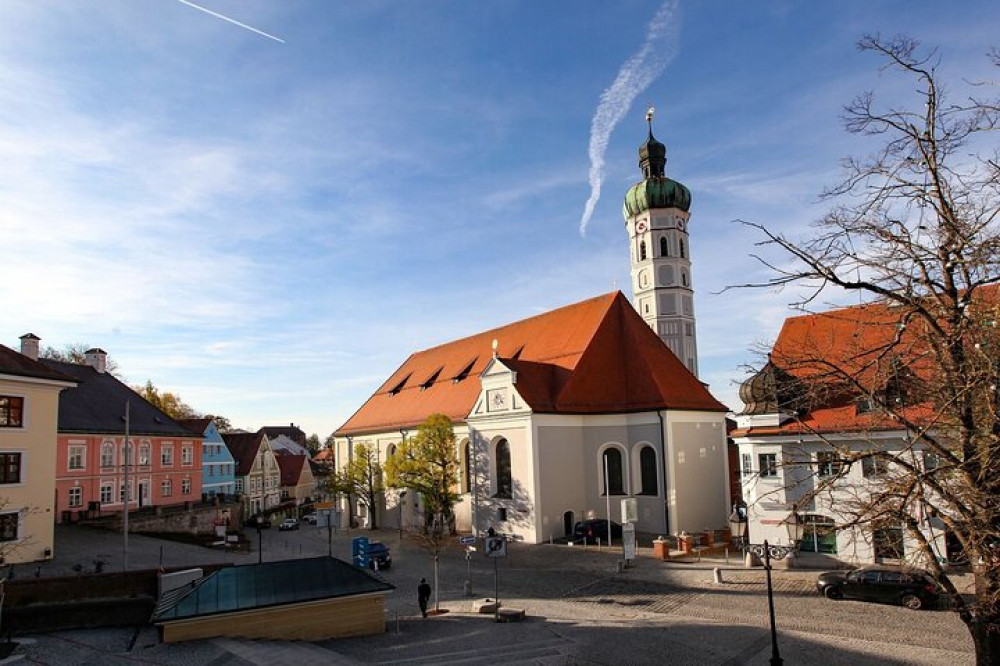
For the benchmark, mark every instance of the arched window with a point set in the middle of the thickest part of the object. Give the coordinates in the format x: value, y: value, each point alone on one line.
x: 107, y: 454
x: 663, y: 246
x: 647, y: 471
x: 642, y: 251
x: 684, y: 279
x: 682, y: 249
x: 611, y: 464
x: 505, y: 484
x: 467, y: 467
x: 390, y: 452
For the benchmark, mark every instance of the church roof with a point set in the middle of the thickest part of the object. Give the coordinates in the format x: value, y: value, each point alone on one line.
x: 593, y: 357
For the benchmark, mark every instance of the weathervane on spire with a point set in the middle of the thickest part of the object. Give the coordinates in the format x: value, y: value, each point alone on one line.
x: 650, y: 110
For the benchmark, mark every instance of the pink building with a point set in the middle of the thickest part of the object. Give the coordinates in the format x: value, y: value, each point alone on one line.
x: 164, y: 458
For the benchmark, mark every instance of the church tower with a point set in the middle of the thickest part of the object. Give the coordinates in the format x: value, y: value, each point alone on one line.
x: 656, y: 219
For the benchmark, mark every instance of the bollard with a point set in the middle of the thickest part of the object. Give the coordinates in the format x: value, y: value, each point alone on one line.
x: 717, y: 575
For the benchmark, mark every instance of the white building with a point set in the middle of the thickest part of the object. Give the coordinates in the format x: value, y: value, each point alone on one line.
x: 544, y: 405
x: 822, y: 457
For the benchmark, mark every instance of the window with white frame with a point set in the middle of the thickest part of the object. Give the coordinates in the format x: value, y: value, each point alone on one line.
x: 239, y: 485
x: 75, y: 496
x: 828, y: 463
x: 874, y: 466
x: 167, y: 455
x: 9, y: 526
x: 166, y: 488
x: 77, y: 456
x: 187, y: 455
x: 768, y: 465
x: 185, y: 486
x: 747, y: 460
x: 145, y: 453
x: 107, y: 493
x: 107, y: 454
x: 121, y: 493
x: 10, y: 467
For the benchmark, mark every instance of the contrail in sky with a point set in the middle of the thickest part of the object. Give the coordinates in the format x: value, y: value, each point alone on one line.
x: 660, y: 47
x: 233, y: 21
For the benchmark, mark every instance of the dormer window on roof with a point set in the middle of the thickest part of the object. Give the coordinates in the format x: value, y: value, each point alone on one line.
x: 399, y: 387
x: 430, y: 380
x: 464, y: 373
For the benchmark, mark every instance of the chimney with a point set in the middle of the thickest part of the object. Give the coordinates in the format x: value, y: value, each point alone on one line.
x: 29, y: 345
x: 97, y: 359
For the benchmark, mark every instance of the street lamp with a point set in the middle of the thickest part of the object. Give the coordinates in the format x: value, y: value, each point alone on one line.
x: 402, y: 496
x: 738, y: 529
x: 260, y: 539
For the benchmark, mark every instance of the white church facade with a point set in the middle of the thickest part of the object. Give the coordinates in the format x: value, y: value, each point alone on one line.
x: 557, y: 414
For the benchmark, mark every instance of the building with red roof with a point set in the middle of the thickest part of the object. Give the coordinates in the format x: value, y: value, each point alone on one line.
x: 812, y: 410
x: 561, y: 415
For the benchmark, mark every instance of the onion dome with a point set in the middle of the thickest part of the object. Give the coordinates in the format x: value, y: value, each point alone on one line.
x: 770, y: 391
x: 655, y: 190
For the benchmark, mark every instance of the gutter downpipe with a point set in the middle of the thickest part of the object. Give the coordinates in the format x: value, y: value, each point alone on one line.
x: 663, y: 449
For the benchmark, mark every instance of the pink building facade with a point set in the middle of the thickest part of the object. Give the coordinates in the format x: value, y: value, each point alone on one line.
x: 91, y: 474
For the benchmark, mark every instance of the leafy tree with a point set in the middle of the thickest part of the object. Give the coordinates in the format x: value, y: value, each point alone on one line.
x: 361, y: 477
x: 915, y: 230
x: 428, y: 463
x: 221, y: 422
x: 169, y: 403
x: 330, y: 441
x: 312, y: 443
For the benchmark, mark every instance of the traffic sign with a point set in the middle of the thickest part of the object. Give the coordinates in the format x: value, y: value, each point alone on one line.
x: 496, y: 547
x: 466, y: 540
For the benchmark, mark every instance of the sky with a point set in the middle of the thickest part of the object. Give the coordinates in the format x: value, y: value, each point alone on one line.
x: 269, y: 228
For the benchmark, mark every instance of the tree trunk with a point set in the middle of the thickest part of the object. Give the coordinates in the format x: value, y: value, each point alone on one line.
x: 987, y: 643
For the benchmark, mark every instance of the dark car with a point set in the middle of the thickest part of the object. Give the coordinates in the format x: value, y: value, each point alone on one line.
x: 589, y: 531
x: 288, y: 524
x: 913, y: 588
x: 378, y: 552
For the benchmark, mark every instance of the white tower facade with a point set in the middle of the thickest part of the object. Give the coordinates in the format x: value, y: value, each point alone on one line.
x: 656, y: 219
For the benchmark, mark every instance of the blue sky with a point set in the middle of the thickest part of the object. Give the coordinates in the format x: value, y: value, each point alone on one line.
x: 268, y: 229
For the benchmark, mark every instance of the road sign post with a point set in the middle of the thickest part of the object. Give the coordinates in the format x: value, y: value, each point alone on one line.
x: 496, y: 547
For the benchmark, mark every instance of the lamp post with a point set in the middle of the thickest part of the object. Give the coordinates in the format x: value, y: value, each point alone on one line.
x: 402, y: 496
x: 260, y: 539
x: 738, y: 529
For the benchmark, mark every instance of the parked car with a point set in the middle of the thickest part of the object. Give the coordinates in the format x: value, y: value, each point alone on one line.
x: 378, y: 552
x: 310, y: 518
x: 288, y: 524
x: 265, y: 521
x: 589, y: 531
x: 913, y: 588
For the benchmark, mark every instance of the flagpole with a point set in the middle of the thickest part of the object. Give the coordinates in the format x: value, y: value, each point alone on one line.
x: 125, y: 494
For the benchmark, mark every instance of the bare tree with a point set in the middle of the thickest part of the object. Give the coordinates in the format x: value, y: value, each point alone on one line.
x: 915, y: 234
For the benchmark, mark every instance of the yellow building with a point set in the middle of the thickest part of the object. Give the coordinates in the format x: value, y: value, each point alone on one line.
x: 29, y: 415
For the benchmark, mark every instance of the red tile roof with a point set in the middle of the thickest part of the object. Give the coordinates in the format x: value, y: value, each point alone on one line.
x: 593, y: 357
x: 863, y: 341
x: 291, y: 467
x: 244, y: 447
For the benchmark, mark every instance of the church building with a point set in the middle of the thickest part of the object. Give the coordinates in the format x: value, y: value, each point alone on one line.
x: 560, y: 416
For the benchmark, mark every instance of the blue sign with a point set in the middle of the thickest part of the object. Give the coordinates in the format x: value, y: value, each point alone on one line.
x: 359, y: 552
x: 467, y: 540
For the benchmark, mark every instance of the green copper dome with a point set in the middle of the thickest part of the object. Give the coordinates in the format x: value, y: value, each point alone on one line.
x: 656, y: 192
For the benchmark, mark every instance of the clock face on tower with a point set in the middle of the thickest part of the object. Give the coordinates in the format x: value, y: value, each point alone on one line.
x: 640, y: 227
x: 680, y: 224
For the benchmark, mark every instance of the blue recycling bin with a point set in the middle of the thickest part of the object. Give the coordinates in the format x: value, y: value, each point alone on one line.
x: 359, y: 552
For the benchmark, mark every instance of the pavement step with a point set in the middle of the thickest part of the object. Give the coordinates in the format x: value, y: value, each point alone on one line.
x: 526, y: 652
x: 267, y: 653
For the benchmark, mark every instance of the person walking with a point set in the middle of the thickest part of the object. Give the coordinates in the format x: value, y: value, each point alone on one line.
x: 423, y: 595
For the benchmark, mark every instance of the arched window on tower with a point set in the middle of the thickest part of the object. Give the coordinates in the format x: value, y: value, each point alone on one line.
x: 647, y: 471
x: 642, y: 251
x: 663, y: 246
x: 683, y: 254
x: 611, y: 464
x: 504, y: 482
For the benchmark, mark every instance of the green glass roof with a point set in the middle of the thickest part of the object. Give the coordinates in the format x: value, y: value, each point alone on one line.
x: 269, y: 584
